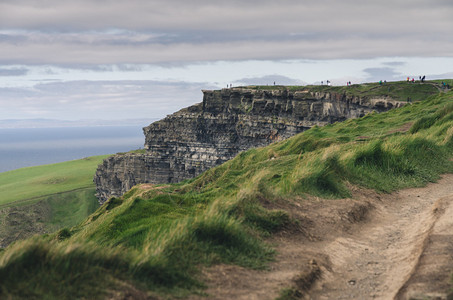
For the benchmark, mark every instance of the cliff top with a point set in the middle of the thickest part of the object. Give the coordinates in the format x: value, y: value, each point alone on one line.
x: 402, y: 91
x: 396, y: 90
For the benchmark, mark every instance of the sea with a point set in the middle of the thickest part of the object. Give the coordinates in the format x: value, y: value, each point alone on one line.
x: 26, y: 147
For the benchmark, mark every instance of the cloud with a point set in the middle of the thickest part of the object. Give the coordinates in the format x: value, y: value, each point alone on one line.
x: 440, y: 76
x: 384, y: 73
x: 61, y: 53
x: 164, y: 32
x: 101, y: 100
x: 394, y: 63
x: 13, y: 71
x: 249, y: 16
x: 269, y: 80
x: 102, y: 68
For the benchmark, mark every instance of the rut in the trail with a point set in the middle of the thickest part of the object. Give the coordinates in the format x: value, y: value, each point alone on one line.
x: 395, y: 246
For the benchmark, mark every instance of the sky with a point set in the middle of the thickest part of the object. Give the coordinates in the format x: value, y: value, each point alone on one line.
x: 144, y: 59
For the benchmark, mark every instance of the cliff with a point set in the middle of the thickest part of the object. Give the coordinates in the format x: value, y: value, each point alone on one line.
x: 228, y: 121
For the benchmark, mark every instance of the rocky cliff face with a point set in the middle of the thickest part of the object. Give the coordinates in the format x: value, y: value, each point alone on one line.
x: 228, y: 121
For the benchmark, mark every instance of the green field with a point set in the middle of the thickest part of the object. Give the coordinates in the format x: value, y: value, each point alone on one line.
x: 156, y: 239
x: 29, y: 185
x: 46, y: 198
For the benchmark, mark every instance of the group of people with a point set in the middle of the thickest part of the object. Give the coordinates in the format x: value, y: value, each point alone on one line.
x: 230, y: 85
x: 445, y: 85
x: 422, y: 79
x: 408, y: 79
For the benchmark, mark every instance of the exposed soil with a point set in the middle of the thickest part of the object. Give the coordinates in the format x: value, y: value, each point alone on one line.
x: 373, y: 246
x: 403, y: 128
x: 22, y: 222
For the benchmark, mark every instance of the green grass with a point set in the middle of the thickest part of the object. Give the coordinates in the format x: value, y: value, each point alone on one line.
x: 397, y: 90
x: 29, y: 185
x: 49, y: 214
x: 68, y: 209
x: 447, y: 81
x: 156, y: 239
x: 46, y: 198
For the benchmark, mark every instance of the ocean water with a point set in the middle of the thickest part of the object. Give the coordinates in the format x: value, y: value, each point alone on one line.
x: 25, y: 147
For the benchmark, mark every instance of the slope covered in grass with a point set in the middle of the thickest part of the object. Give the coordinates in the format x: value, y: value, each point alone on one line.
x: 155, y: 238
x: 49, y: 214
x: 30, y: 184
x: 46, y: 198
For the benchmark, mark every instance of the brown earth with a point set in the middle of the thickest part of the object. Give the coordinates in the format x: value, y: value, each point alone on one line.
x: 372, y: 246
x: 21, y: 222
x: 403, y: 128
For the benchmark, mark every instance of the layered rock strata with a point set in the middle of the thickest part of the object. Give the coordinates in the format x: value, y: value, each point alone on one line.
x: 228, y: 121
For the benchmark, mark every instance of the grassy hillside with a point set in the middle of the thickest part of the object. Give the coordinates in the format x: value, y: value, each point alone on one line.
x: 28, y: 185
x: 46, y: 198
x: 155, y: 238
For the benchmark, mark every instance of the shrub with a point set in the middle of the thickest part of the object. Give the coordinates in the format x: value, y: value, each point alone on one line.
x: 64, y: 234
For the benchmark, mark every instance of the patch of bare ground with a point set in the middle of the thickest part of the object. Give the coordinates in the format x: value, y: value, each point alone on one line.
x: 403, y: 128
x: 372, y: 246
x: 22, y: 222
x: 126, y: 291
x: 430, y: 278
x: 298, y: 263
x: 150, y: 186
x: 380, y: 259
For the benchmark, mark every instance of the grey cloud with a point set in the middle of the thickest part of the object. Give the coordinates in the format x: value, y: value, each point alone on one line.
x: 129, y: 68
x: 13, y: 72
x: 394, y: 63
x: 102, y: 68
x: 107, y: 37
x: 13, y: 38
x: 440, y: 76
x: 49, y: 71
x: 129, y: 38
x: 76, y: 54
x: 99, y: 99
x: 269, y: 80
x: 85, y: 66
x: 384, y: 73
x: 139, y: 31
x: 266, y: 15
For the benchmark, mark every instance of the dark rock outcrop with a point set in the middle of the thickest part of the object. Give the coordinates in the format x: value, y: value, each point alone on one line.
x: 228, y: 121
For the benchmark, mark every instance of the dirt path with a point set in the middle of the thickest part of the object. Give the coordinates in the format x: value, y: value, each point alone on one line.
x: 379, y: 260
x: 396, y: 246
